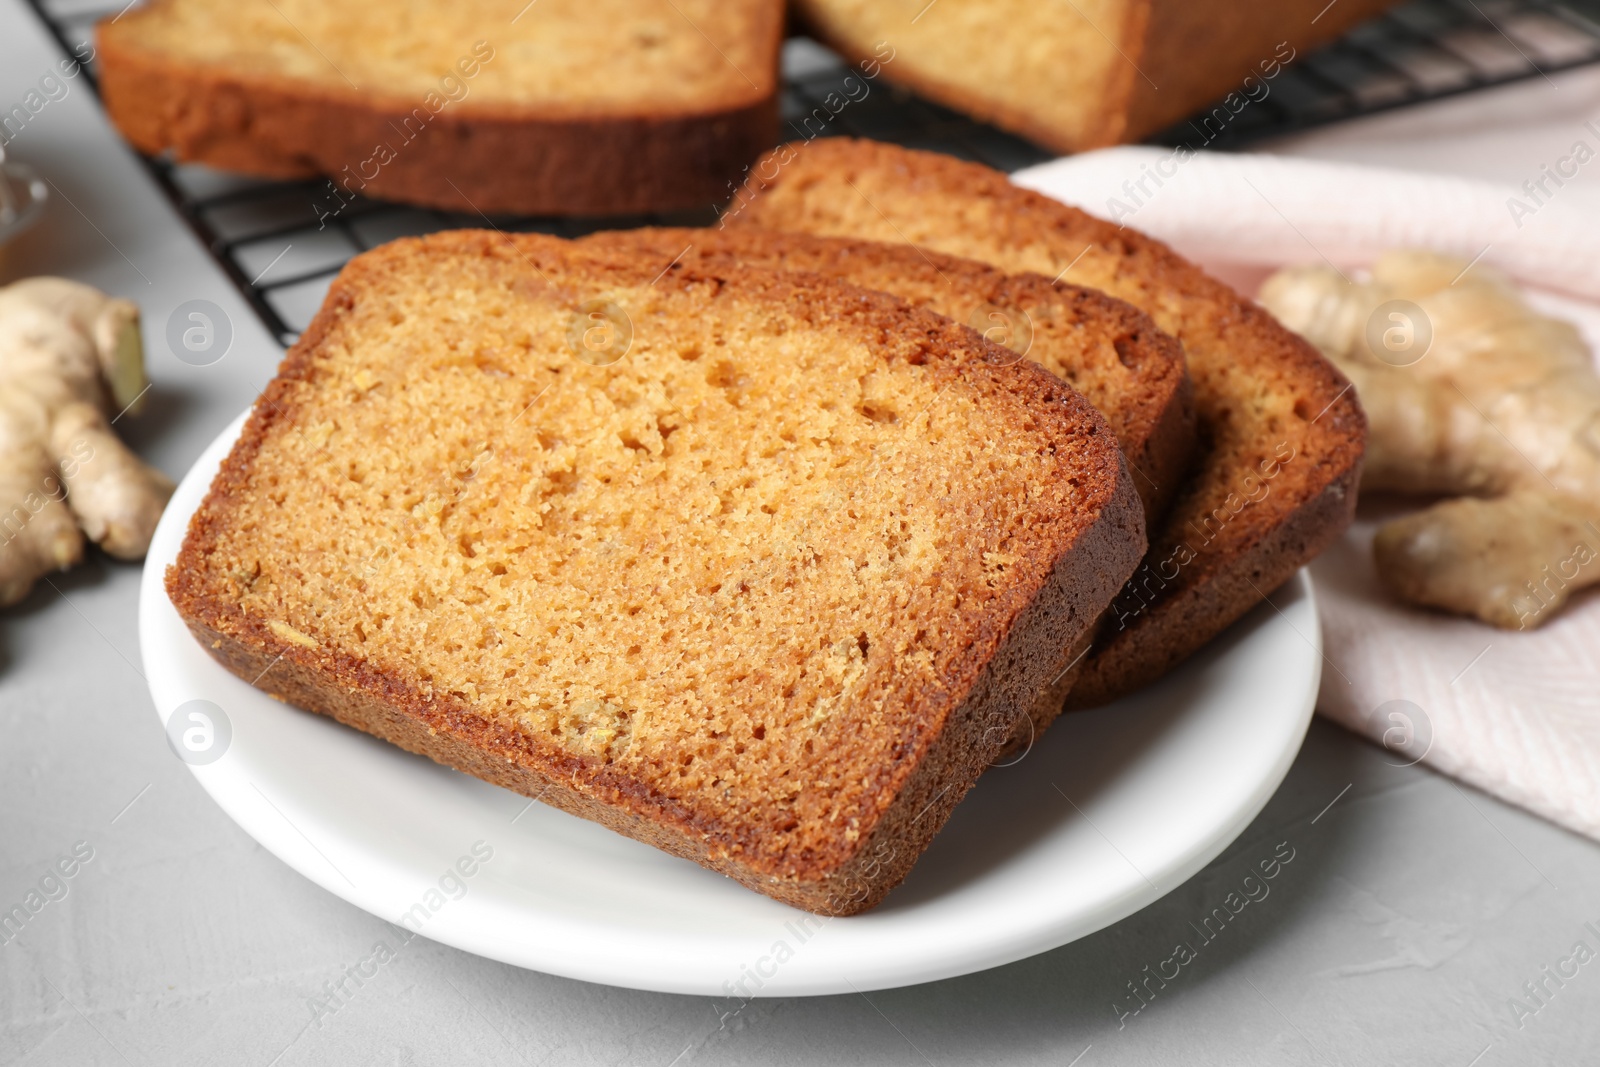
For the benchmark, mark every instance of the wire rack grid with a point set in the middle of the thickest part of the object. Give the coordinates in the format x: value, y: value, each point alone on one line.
x: 281, y: 248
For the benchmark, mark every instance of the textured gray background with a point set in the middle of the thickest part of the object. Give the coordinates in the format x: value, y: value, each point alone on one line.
x: 1412, y: 911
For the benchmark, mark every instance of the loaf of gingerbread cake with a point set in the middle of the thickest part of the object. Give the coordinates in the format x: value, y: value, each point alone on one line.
x: 559, y: 107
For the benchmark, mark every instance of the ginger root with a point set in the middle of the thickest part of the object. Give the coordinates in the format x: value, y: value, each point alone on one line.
x: 1502, y: 409
x: 70, y: 362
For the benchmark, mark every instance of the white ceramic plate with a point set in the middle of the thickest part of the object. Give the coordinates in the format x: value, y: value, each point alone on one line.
x: 1109, y: 810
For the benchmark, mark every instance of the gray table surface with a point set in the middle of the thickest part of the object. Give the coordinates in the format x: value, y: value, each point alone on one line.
x: 1413, y: 913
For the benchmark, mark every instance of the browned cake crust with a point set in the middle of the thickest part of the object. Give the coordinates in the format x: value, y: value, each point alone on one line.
x: 493, y: 159
x: 1133, y: 373
x: 1002, y: 642
x: 1282, y: 434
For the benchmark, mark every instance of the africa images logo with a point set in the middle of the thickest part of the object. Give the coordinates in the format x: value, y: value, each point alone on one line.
x: 1253, y: 888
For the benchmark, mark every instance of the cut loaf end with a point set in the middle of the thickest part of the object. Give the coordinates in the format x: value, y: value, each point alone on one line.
x: 1085, y: 75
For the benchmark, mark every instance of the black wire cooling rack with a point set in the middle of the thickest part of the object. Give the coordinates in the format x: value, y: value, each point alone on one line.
x: 266, y: 235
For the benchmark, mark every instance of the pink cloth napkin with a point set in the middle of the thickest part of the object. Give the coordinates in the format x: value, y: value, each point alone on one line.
x: 1514, y: 714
